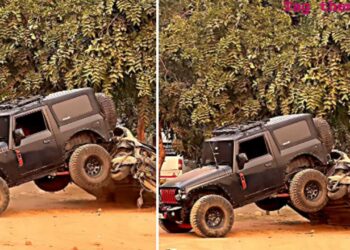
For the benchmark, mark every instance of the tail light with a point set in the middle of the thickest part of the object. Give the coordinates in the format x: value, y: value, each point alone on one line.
x: 168, y: 196
x: 180, y: 163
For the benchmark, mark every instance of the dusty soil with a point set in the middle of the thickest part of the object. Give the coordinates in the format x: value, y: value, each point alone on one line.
x: 253, y: 229
x: 73, y: 219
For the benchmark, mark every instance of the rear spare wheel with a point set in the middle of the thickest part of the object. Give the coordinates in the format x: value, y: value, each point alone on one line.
x: 53, y: 183
x: 4, y: 195
x: 325, y: 133
x: 308, y: 190
x: 108, y: 108
x: 211, y: 216
x: 89, y: 166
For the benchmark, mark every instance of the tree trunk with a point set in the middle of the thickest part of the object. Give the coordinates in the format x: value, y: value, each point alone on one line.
x: 141, y: 129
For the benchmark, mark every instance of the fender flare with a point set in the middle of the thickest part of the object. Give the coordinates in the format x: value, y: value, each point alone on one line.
x: 88, y: 130
x: 82, y: 131
x: 215, y: 188
x: 308, y: 155
x: 70, y: 144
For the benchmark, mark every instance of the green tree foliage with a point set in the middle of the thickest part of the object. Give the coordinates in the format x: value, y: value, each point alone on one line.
x: 109, y: 45
x: 233, y: 61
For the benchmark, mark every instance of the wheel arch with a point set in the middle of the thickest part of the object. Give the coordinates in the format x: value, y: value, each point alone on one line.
x: 211, y: 189
x: 91, y: 131
x: 307, y: 158
x: 83, y: 136
x: 304, y: 161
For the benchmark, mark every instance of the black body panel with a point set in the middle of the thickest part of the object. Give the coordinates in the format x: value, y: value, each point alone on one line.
x: 43, y: 152
x: 268, y: 147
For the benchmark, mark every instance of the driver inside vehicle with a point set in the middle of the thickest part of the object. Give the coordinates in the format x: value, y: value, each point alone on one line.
x: 25, y: 130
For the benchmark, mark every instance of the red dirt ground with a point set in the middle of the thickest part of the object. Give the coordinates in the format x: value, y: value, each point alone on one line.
x: 255, y: 230
x: 73, y: 219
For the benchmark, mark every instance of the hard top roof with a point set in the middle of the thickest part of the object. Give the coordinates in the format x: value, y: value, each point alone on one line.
x: 11, y: 107
x: 231, y: 132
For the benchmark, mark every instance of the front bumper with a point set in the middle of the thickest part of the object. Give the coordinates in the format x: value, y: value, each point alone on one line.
x: 172, y: 213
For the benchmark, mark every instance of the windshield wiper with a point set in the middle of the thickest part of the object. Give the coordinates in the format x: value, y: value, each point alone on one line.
x: 216, y: 162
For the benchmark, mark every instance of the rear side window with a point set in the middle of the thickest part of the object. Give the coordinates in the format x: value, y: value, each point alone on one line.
x: 293, y: 133
x: 254, y: 148
x: 72, y: 108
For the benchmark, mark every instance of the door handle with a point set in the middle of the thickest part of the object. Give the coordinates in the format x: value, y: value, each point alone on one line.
x: 268, y: 164
x: 46, y: 141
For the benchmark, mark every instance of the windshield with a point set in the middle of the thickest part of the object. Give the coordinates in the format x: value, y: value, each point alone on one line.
x: 223, y: 151
x: 4, y: 129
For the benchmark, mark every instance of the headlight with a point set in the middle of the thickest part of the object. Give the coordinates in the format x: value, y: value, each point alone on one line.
x: 180, y: 196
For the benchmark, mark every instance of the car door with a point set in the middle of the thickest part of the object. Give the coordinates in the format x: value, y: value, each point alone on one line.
x: 38, y: 148
x: 260, y: 172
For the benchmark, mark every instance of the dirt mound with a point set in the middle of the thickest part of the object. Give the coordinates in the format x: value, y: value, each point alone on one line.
x: 124, y: 193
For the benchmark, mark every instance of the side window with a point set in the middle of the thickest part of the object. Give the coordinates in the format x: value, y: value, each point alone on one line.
x: 292, y: 133
x: 72, y: 108
x: 254, y: 148
x: 31, y: 123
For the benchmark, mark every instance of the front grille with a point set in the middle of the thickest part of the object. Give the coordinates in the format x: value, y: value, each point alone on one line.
x: 168, y: 196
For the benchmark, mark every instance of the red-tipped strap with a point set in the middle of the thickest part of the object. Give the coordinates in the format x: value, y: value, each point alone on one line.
x: 243, y: 182
x: 19, y: 158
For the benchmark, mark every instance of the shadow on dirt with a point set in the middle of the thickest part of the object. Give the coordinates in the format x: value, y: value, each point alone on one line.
x: 28, y: 198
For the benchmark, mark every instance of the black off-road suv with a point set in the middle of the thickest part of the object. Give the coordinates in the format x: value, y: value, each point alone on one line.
x: 273, y: 163
x: 55, y: 139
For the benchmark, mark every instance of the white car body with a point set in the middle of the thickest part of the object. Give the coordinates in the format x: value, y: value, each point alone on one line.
x: 173, y: 163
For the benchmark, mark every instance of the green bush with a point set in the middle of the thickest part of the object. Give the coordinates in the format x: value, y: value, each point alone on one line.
x: 233, y: 61
x: 109, y: 45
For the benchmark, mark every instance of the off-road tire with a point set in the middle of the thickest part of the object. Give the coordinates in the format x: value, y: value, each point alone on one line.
x: 53, y: 184
x: 4, y: 195
x: 325, y: 133
x: 108, y: 108
x: 303, y: 181
x: 172, y: 227
x: 271, y: 204
x: 340, y: 193
x: 78, y: 164
x: 199, y: 213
